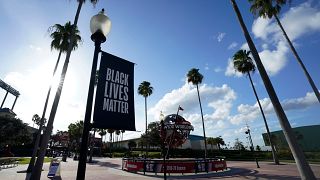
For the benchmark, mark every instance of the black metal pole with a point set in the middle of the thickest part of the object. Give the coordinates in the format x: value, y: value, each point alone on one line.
x: 164, y: 154
x: 172, y: 135
x: 4, y: 99
x: 14, y: 103
x: 252, y: 149
x: 98, y: 38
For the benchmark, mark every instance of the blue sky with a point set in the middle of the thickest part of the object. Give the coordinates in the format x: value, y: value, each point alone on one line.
x: 166, y: 39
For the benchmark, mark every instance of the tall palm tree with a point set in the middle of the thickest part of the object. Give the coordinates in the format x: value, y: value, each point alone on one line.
x: 36, y: 173
x: 102, y: 132
x: 118, y: 132
x: 243, y: 63
x: 218, y: 141
x: 122, y: 131
x: 303, y: 166
x: 195, y: 78
x: 211, y: 142
x: 269, y: 9
x: 110, y: 131
x: 145, y: 89
x: 60, y: 35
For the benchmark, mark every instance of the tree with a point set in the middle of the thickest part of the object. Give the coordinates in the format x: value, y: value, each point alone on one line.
x: 258, y: 148
x: 122, y: 131
x: 117, y: 138
x: 40, y: 122
x: 153, y: 134
x: 303, y: 166
x: 36, y: 119
x: 269, y: 9
x: 13, y: 132
x: 110, y: 131
x: 238, y: 145
x: 132, y: 144
x: 102, y: 132
x: 218, y: 141
x: 60, y: 41
x: 195, y: 78
x: 75, y: 133
x: 211, y: 142
x: 145, y: 89
x: 36, y: 173
x: 243, y: 63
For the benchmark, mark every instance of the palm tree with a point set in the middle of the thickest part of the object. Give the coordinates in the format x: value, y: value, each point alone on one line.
x: 145, y: 89
x: 303, y: 166
x: 92, y: 144
x: 210, y: 141
x: 122, y: 131
x: 117, y: 138
x: 36, y: 174
x: 60, y: 41
x: 243, y: 63
x: 269, y: 9
x: 195, y: 78
x: 36, y: 119
x: 102, y: 132
x: 110, y: 131
x: 218, y: 141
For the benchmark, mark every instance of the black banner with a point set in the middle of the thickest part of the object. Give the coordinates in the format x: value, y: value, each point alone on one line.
x: 114, y: 104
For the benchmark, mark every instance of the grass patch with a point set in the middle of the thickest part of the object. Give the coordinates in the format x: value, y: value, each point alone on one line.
x: 26, y: 160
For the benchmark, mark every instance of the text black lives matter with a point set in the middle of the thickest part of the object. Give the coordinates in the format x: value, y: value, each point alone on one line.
x: 116, y: 92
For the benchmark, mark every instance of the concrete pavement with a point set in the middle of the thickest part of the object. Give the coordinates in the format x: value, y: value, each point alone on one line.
x: 106, y: 168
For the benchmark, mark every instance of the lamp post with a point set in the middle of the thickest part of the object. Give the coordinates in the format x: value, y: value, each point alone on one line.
x: 252, y: 147
x: 100, y: 26
x: 163, y: 147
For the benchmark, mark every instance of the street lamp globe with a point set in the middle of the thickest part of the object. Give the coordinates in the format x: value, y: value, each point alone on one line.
x: 161, y: 117
x: 100, y: 26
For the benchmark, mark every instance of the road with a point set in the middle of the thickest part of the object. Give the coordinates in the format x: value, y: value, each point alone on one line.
x: 106, y: 168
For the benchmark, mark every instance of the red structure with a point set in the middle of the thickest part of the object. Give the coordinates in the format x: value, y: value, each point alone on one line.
x: 174, y: 165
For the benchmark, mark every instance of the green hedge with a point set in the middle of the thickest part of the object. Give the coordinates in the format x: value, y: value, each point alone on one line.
x: 229, y: 154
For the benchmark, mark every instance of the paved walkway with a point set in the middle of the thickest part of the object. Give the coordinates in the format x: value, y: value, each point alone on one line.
x: 106, y: 168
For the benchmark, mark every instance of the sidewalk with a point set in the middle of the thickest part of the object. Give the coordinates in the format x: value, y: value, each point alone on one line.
x: 106, y: 168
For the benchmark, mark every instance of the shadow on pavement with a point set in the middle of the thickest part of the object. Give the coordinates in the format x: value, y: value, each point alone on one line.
x: 220, y: 174
x: 231, y: 173
x: 105, y: 164
x: 56, y: 178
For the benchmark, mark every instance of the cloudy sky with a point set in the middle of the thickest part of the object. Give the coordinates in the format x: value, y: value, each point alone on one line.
x: 166, y: 39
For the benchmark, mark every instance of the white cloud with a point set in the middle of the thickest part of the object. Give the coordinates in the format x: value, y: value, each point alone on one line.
x: 245, y: 46
x: 233, y: 45
x: 216, y: 103
x: 218, y: 69
x: 231, y: 71
x: 33, y: 85
x: 301, y: 20
x: 297, y: 22
x: 35, y: 47
x: 301, y: 103
x: 262, y: 28
x: 206, y: 67
x: 252, y: 112
x: 221, y: 36
x: 274, y: 60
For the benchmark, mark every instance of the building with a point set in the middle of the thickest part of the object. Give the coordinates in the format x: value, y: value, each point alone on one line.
x: 6, y: 112
x: 307, y: 137
x: 193, y: 142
